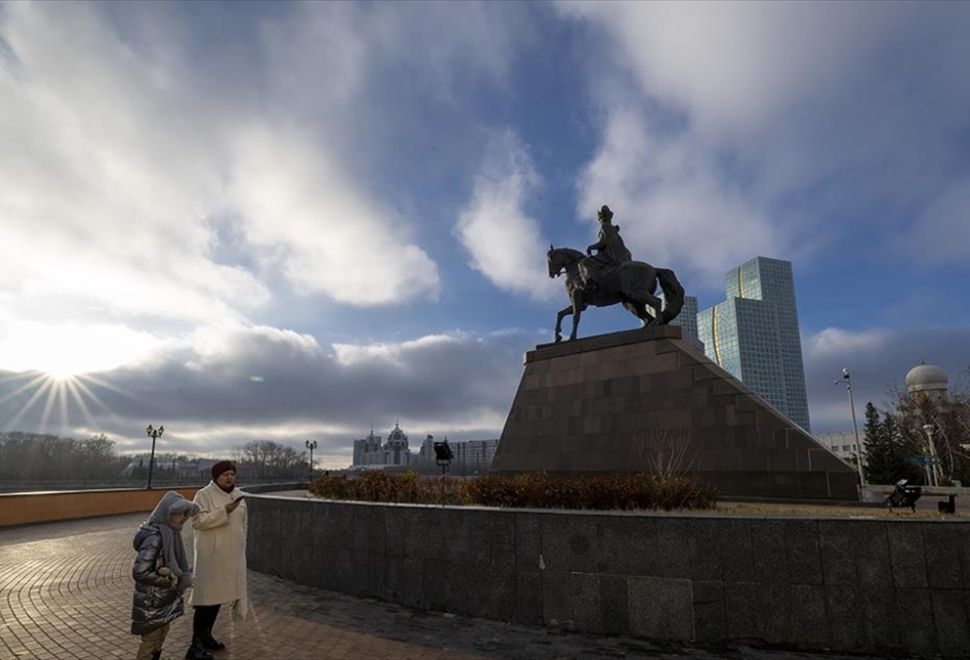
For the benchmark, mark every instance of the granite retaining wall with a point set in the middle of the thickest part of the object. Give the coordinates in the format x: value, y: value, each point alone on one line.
x: 881, y: 586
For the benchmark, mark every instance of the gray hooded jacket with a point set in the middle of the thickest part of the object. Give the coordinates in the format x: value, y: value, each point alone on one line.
x: 157, y: 601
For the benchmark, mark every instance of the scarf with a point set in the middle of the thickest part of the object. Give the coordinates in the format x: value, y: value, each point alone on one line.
x: 172, y: 545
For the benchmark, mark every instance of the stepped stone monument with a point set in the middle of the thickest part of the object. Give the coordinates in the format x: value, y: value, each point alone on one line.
x: 645, y: 400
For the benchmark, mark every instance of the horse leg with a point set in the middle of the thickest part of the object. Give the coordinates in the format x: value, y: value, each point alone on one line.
x: 559, y: 317
x: 639, y: 310
x: 578, y: 307
x: 657, y: 305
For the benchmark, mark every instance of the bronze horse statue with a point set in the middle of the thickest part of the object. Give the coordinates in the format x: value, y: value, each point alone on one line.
x: 632, y: 284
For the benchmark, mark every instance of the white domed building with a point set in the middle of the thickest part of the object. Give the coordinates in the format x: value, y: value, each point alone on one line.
x: 928, y: 379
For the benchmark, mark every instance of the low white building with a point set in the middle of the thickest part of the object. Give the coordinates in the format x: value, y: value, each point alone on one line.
x: 843, y: 445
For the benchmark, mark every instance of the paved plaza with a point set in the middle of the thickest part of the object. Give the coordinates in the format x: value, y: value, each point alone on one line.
x: 65, y: 592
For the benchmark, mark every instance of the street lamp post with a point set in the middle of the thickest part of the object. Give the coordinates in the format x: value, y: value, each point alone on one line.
x: 311, y: 446
x: 855, y: 427
x: 931, y: 458
x: 154, y: 434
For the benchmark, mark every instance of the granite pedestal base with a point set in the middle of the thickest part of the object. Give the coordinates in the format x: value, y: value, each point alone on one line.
x: 645, y: 400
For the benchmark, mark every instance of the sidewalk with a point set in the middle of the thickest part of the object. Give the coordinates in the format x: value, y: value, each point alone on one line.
x: 65, y: 592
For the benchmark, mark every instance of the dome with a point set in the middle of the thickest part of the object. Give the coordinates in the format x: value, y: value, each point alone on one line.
x: 926, y: 378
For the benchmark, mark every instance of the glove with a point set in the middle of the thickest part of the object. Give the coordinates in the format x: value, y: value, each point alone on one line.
x: 167, y: 573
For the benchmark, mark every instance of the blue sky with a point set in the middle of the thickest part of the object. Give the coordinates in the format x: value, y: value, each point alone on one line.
x: 279, y: 221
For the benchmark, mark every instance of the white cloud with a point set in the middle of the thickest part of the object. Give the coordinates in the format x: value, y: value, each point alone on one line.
x: 297, y: 205
x: 103, y: 185
x: 838, y: 342
x: 742, y: 128
x: 495, y: 228
x: 116, y: 162
x: 671, y: 203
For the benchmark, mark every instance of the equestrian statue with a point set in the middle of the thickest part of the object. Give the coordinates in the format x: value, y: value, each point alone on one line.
x: 611, y: 276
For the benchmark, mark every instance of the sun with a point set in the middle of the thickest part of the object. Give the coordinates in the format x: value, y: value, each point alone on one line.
x: 60, y: 373
x: 63, y: 352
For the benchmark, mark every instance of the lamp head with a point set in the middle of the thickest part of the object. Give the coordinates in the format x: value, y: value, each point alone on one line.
x: 442, y: 451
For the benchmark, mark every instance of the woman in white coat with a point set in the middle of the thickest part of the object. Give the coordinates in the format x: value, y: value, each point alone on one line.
x: 220, y: 558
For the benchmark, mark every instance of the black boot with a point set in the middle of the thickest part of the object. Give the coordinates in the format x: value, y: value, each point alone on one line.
x: 197, y: 652
x: 210, y: 643
x: 156, y: 655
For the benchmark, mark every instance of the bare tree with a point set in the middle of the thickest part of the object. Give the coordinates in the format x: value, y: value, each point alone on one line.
x: 665, y: 451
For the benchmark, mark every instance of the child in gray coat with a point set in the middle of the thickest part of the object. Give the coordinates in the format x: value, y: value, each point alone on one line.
x: 161, y: 572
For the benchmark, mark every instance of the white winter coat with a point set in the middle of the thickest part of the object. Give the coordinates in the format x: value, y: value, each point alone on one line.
x: 220, y: 550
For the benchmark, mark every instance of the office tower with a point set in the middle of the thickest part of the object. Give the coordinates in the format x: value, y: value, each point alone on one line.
x: 754, y: 334
x: 687, y: 320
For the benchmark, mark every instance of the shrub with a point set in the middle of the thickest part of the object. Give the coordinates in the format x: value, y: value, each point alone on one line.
x: 532, y: 490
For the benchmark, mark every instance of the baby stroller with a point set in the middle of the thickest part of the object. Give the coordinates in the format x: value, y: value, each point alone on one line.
x: 904, y: 495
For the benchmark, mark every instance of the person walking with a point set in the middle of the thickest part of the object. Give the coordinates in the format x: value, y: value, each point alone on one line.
x: 220, y: 558
x: 161, y: 573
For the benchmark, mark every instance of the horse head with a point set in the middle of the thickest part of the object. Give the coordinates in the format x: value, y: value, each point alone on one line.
x: 564, y: 257
x: 555, y: 267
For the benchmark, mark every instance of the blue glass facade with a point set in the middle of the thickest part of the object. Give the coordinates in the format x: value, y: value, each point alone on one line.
x: 687, y: 320
x: 754, y: 334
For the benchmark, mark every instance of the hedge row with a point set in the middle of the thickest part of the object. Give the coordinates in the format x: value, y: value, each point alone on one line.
x: 535, y: 490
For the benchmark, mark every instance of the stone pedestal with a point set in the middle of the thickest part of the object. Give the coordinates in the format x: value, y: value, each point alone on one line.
x: 645, y: 400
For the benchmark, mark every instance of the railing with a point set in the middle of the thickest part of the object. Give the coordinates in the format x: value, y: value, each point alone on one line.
x: 50, y: 506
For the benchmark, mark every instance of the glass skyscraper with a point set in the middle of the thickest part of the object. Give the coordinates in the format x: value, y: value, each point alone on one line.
x: 687, y: 320
x: 753, y: 335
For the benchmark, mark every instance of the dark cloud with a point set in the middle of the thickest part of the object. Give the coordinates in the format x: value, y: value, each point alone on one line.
x: 878, y: 361
x: 264, y: 383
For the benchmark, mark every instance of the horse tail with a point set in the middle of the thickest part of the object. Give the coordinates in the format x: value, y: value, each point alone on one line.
x: 673, y: 294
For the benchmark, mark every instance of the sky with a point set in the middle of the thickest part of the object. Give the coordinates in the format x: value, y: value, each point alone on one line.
x: 252, y: 221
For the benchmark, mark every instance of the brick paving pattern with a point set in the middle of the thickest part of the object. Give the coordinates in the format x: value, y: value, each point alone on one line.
x: 65, y: 592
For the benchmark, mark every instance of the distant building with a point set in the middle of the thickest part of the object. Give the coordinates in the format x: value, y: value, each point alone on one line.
x: 687, y: 320
x: 754, y: 334
x: 928, y: 379
x: 473, y: 456
x: 843, y: 445
x: 366, y: 449
x: 469, y: 457
x: 371, y: 452
x: 167, y: 466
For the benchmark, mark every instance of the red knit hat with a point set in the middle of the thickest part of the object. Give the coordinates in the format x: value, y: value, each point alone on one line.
x: 221, y: 467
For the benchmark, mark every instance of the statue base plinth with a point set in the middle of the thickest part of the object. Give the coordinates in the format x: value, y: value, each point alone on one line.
x: 647, y: 401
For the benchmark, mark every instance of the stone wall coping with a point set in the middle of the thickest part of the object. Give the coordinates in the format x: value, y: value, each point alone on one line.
x: 627, y: 514
x: 89, y: 491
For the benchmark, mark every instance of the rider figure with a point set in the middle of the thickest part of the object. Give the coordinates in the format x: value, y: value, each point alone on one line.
x: 611, y: 252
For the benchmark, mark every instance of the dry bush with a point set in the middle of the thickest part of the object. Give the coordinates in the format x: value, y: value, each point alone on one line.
x: 378, y: 486
x: 532, y: 490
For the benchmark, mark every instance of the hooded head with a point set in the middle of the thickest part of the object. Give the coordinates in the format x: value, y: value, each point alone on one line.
x: 166, y: 519
x: 171, y: 505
